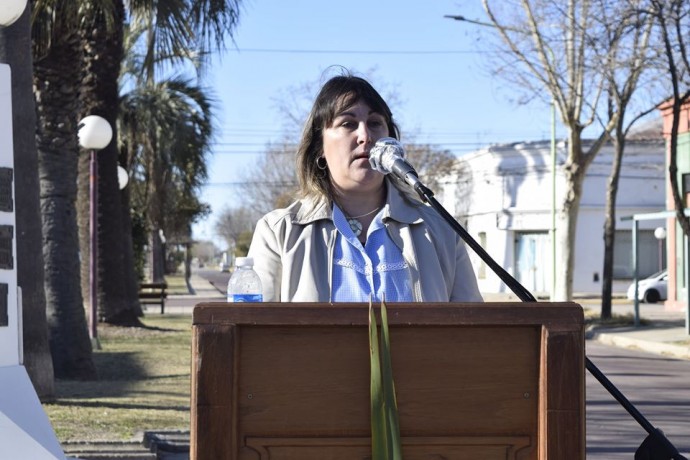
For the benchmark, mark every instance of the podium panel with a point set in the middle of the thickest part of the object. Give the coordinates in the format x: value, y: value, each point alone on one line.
x: 291, y: 381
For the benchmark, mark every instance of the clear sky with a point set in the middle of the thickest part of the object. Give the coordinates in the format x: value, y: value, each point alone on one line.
x: 433, y: 63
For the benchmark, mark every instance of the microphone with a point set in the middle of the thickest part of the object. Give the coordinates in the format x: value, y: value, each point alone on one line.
x: 388, y: 156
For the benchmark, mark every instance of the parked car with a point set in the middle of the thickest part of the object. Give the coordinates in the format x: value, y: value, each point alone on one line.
x: 651, y: 289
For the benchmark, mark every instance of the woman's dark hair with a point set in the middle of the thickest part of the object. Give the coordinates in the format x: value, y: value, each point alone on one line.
x: 337, y: 94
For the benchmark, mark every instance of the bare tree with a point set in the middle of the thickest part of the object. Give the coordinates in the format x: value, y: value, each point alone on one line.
x: 278, y: 182
x: 204, y: 251
x: 234, y: 222
x: 272, y: 181
x: 626, y: 57
x: 674, y: 26
x: 547, y: 48
x: 294, y: 102
x: 432, y: 163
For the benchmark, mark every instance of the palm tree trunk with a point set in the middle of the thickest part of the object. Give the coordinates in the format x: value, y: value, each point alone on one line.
x: 188, y: 259
x: 103, y: 56
x: 15, y: 49
x: 156, y: 257
x: 56, y: 82
x: 156, y: 196
x: 131, y: 278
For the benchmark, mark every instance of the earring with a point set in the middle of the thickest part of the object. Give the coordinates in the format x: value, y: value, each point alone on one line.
x: 322, y: 165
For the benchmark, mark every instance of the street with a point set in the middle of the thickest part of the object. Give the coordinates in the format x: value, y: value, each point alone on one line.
x: 657, y: 386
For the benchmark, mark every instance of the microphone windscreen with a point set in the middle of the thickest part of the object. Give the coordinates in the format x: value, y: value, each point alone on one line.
x: 384, y: 153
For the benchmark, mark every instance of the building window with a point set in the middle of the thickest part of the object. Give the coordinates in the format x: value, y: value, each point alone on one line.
x: 650, y: 254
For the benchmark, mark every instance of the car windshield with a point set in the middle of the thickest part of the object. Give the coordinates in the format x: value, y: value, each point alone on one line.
x: 657, y: 274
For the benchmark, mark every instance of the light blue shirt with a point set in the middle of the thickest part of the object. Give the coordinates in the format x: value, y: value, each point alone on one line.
x: 376, y: 269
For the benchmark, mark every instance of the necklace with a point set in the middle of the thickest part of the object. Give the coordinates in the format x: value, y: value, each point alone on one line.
x: 356, y: 225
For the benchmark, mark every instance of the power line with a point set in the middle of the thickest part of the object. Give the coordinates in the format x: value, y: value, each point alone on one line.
x: 412, y: 144
x: 416, y: 137
x: 306, y: 51
x: 244, y: 144
x: 249, y: 182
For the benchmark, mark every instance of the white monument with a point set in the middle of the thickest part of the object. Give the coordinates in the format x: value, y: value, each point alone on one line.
x: 25, y: 431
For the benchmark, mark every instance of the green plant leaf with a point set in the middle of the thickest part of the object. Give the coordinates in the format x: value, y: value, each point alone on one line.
x: 385, y: 427
x: 393, y: 441
x: 378, y: 420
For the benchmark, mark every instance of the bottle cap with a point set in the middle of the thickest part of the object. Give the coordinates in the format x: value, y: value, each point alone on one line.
x: 244, y: 261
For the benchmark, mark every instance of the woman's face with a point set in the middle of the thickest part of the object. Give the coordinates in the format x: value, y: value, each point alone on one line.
x: 346, y: 145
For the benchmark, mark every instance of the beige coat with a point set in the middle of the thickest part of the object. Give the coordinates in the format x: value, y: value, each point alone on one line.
x: 293, y: 252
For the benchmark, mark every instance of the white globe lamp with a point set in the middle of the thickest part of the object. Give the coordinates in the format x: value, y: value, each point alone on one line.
x: 122, y: 177
x: 660, y: 233
x: 94, y: 132
x: 10, y: 11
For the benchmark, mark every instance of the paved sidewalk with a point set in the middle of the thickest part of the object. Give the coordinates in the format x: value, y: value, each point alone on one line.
x: 661, y: 331
x: 199, y: 288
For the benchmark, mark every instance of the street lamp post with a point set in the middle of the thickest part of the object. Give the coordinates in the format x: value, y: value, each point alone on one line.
x: 95, y: 134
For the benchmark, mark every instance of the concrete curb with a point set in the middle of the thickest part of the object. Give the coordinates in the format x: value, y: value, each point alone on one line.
x: 107, y: 450
x: 609, y: 337
x: 155, y: 445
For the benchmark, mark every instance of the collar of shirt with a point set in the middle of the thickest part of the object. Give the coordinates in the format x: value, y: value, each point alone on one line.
x: 399, y: 206
x: 377, y: 269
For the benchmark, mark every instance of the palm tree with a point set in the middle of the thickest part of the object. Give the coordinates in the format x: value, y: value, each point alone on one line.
x: 167, y: 130
x: 57, y: 73
x: 174, y: 32
x: 58, y: 62
x: 102, y: 40
x: 15, y: 49
x: 179, y: 28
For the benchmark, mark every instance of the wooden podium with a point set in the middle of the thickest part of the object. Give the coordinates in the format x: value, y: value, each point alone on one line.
x: 473, y: 381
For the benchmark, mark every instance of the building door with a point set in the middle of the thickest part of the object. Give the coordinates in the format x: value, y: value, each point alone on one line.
x: 532, y: 261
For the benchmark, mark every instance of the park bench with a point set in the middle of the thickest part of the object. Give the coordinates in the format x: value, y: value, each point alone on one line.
x: 153, y: 294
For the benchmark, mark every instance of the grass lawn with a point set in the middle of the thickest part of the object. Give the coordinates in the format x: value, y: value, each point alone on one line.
x: 176, y: 284
x: 144, y: 384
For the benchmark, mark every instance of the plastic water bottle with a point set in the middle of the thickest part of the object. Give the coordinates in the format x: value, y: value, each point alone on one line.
x: 244, y: 284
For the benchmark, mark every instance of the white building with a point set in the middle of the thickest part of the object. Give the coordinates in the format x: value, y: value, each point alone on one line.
x: 503, y: 194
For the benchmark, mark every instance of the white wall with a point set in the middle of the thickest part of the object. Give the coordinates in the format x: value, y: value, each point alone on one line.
x: 510, y: 191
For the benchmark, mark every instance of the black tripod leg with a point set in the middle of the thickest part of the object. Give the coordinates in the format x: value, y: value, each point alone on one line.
x: 657, y: 447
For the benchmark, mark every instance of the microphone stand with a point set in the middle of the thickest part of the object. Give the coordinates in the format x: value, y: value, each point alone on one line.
x: 655, y: 446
